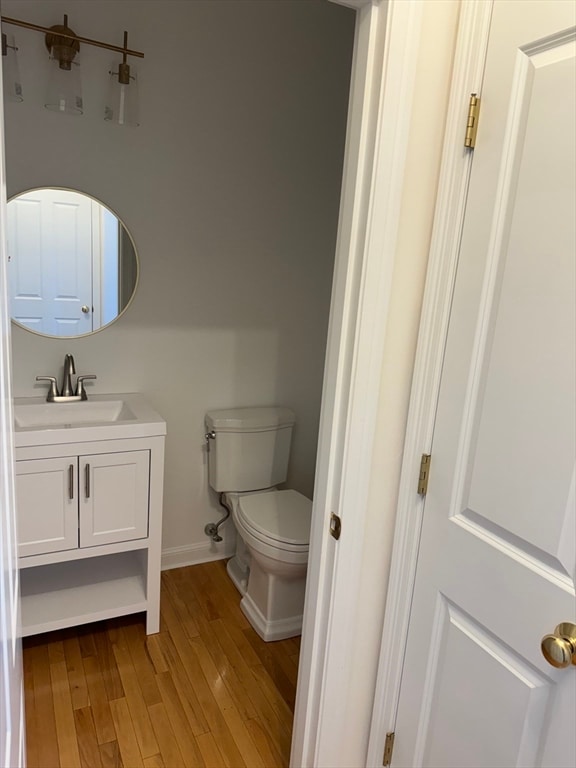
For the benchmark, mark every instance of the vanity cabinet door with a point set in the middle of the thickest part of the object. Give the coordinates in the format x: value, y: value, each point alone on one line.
x: 114, y: 497
x: 47, y: 505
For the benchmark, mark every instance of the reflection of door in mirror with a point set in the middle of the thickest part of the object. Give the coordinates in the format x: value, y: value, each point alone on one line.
x: 51, y: 251
x: 72, y: 264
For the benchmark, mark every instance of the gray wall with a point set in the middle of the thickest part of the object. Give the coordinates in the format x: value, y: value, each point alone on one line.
x: 230, y: 188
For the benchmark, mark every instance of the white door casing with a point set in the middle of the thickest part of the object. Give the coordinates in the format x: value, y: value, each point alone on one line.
x: 386, y: 46
x: 496, y: 569
x: 12, y: 750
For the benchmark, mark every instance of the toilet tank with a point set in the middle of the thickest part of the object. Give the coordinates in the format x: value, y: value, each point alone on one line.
x: 250, y: 449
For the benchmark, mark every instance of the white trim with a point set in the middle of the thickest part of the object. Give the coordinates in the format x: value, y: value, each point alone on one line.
x: 453, y: 185
x: 193, y: 554
x: 357, y: 5
x: 386, y: 48
x: 12, y: 746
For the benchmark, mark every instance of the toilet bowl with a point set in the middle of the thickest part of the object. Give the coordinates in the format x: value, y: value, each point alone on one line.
x: 270, y: 572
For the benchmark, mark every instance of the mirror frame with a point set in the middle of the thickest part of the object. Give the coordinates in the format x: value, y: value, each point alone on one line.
x: 136, y: 256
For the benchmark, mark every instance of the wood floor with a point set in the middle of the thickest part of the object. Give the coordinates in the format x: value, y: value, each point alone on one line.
x: 205, y: 691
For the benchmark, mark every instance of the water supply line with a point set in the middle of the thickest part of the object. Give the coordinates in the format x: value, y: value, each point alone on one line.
x: 211, y: 529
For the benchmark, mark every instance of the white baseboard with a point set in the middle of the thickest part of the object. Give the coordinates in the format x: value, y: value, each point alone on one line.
x: 193, y: 554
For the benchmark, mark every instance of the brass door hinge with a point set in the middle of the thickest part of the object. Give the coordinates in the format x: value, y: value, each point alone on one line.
x: 335, y: 526
x: 388, y: 747
x: 424, y: 474
x: 472, y: 121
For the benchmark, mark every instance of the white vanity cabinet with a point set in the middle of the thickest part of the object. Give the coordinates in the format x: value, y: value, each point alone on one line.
x: 89, y: 515
x: 81, y: 501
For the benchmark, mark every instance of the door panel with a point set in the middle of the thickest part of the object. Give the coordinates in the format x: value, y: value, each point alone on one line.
x: 47, y: 505
x: 496, y: 568
x: 114, y: 497
x: 463, y: 643
x: 50, y: 266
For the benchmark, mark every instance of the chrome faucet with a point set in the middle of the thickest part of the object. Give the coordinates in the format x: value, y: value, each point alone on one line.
x: 67, y: 394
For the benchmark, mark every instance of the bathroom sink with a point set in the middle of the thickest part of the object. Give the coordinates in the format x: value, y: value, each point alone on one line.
x: 102, y: 417
x: 62, y: 414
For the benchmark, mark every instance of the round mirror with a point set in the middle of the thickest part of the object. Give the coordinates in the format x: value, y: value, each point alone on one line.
x: 72, y: 264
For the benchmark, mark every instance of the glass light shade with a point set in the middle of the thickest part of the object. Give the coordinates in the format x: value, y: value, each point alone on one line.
x: 10, y: 70
x: 64, y: 88
x: 122, y: 102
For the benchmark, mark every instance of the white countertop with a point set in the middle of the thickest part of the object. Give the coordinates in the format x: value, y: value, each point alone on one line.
x: 136, y: 419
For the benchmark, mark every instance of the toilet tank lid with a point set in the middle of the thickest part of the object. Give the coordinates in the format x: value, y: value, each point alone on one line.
x: 249, y: 419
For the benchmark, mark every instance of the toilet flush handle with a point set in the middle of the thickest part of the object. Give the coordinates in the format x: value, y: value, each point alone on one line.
x: 209, y: 436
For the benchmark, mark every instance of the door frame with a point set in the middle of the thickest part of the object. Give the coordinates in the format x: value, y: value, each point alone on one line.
x: 386, y: 43
x: 12, y: 725
x: 470, y: 55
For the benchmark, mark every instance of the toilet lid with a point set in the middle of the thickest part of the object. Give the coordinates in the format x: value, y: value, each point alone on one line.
x: 281, y: 516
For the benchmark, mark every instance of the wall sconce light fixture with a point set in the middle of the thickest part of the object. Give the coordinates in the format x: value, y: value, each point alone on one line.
x: 64, y: 89
x: 12, y: 84
x: 122, y: 102
x: 64, y: 86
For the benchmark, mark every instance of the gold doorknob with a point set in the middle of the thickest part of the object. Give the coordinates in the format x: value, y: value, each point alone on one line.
x: 85, y: 309
x: 559, y: 649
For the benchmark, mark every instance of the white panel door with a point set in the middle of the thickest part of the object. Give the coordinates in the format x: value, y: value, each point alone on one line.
x: 47, y: 505
x: 50, y: 244
x: 114, y: 497
x: 497, y: 560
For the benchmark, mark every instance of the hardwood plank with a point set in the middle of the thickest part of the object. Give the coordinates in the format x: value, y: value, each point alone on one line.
x: 179, y: 721
x: 107, y: 663
x: 243, y: 739
x: 32, y: 744
x: 85, y: 635
x: 135, y: 639
x: 110, y: 755
x: 226, y: 670
x: 181, y: 608
x: 169, y: 748
x: 103, y: 724
x: 241, y: 642
x: 228, y: 595
x: 278, y: 733
x: 64, y: 716
x: 135, y: 700
x: 76, y: 674
x: 225, y: 702
x: 87, y: 742
x: 211, y: 583
x: 127, y: 740
x: 265, y: 744
x: 190, y: 703
x: 205, y: 695
x: 154, y: 762
x: 274, y: 696
x: 269, y: 660
x: 198, y: 582
x: 209, y: 749
x: 55, y: 648
x: 155, y: 652
x: 44, y: 719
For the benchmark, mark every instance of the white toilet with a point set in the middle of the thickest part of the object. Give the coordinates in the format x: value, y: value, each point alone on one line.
x: 248, y: 457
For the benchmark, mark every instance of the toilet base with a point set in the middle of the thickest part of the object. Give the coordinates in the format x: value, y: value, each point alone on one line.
x: 281, y: 629
x: 238, y: 567
x: 238, y: 575
x: 274, y: 599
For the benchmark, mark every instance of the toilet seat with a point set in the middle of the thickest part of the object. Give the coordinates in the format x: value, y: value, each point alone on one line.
x: 280, y: 519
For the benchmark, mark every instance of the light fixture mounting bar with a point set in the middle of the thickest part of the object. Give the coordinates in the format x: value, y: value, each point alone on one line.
x: 85, y: 40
